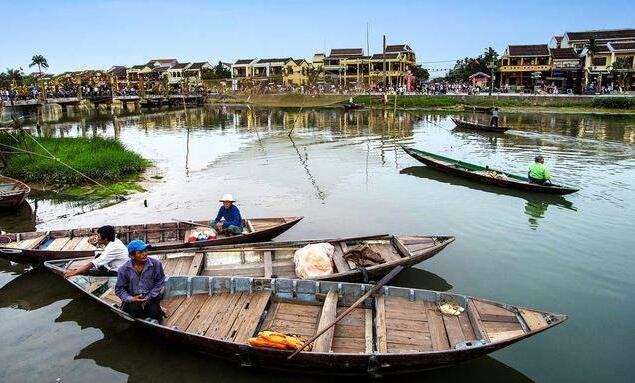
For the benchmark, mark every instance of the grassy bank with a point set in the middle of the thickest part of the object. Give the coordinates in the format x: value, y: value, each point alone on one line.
x: 285, y: 100
x: 529, y: 103
x: 102, y: 159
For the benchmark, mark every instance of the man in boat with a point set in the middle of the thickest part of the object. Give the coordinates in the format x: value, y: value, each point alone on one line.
x: 228, y: 219
x: 494, y: 120
x: 114, y: 255
x: 538, y: 172
x: 140, y: 283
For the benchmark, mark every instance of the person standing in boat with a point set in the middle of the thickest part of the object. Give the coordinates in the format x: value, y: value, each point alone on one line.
x: 140, y: 283
x: 228, y: 219
x: 538, y: 172
x: 114, y: 255
x: 494, y: 120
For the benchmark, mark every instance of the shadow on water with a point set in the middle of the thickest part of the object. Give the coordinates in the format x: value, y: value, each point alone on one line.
x: 21, y: 219
x: 32, y: 290
x: 421, y: 279
x: 536, y: 205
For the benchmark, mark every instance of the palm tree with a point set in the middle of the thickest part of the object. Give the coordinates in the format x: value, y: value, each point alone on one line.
x: 40, y: 61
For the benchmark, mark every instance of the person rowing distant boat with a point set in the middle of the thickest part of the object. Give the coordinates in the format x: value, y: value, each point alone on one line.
x: 494, y: 120
x: 140, y: 283
x: 228, y: 219
x: 114, y: 255
x: 538, y: 172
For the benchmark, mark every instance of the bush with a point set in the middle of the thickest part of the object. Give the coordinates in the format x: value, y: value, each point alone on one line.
x: 102, y: 159
x: 614, y: 102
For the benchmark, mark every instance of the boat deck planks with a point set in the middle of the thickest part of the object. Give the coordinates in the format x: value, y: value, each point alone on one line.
x: 329, y: 309
x: 497, y: 322
x: 534, y: 320
x: 338, y: 258
x: 380, y: 324
x: 407, y: 327
x: 30, y: 243
x: 58, y: 244
x: 301, y: 320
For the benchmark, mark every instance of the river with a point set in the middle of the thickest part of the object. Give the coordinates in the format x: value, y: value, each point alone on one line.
x: 346, y: 173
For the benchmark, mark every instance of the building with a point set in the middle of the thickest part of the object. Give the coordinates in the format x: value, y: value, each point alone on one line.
x: 579, y: 40
x: 337, y: 63
x: 194, y: 72
x: 269, y: 69
x: 242, y: 68
x: 175, y: 74
x: 479, y: 79
x: 297, y: 72
x: 524, y: 66
x: 399, y: 59
x: 566, y: 70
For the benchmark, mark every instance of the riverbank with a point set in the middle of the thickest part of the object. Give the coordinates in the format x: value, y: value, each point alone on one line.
x: 75, y: 167
x: 450, y: 103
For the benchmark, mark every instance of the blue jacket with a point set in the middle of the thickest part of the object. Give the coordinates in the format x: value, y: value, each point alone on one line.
x: 149, y: 283
x: 231, y: 215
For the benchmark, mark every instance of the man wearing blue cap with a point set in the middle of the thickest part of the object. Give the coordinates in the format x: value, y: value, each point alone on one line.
x: 140, y: 283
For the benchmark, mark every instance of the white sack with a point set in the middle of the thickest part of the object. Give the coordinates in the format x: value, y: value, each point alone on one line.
x: 314, y: 260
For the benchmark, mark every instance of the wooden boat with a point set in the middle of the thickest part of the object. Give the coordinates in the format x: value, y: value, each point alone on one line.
x: 482, y: 127
x: 399, y: 330
x: 12, y: 192
x: 353, y: 106
x: 275, y: 259
x: 39, y: 246
x: 484, y: 174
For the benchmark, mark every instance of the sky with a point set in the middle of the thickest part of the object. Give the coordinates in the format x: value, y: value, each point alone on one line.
x: 77, y: 35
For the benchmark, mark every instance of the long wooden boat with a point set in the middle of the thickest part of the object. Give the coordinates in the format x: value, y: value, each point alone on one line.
x: 475, y: 126
x: 12, y: 192
x: 484, y: 174
x: 400, y: 330
x: 275, y: 259
x: 39, y: 246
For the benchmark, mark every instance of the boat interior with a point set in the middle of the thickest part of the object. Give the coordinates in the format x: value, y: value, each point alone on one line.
x: 276, y: 260
x: 400, y: 320
x: 154, y: 233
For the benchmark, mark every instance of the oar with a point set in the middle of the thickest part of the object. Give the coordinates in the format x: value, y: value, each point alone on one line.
x: 192, y: 223
x: 368, y: 294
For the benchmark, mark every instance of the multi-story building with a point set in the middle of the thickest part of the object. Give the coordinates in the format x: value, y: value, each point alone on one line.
x: 566, y: 70
x: 524, y: 66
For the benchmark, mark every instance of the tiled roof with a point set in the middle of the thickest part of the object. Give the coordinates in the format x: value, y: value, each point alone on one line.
x: 380, y: 56
x: 199, y: 65
x: 564, y: 54
x: 137, y: 66
x: 628, y: 46
x: 117, y: 70
x: 528, y: 50
x: 273, y: 60
x: 162, y: 62
x: 180, y: 66
x: 398, y: 48
x: 479, y: 74
x: 243, y: 61
x: 558, y: 38
x: 603, y: 48
x: 602, y: 34
x: 346, y: 52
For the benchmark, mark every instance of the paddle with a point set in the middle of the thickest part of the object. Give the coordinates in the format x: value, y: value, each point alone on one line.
x: 192, y: 223
x: 370, y: 292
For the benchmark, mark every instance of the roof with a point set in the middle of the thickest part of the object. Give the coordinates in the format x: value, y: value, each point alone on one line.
x: 137, y: 66
x: 380, y: 56
x: 273, y: 60
x: 243, y: 61
x: 162, y: 62
x: 346, y: 52
x: 479, y: 74
x: 398, y: 48
x: 180, y: 66
x: 160, y: 69
x: 564, y: 54
x: 199, y: 65
x: 608, y: 34
x: 603, y: 48
x: 528, y: 50
x: 558, y: 38
x: 117, y: 70
x: 628, y: 46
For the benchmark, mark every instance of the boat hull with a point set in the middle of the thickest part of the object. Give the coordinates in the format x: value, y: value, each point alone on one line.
x: 506, y: 183
x: 480, y: 127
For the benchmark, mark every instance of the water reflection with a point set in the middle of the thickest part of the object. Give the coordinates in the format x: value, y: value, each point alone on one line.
x: 23, y: 218
x: 536, y: 204
x: 418, y: 278
x: 32, y: 290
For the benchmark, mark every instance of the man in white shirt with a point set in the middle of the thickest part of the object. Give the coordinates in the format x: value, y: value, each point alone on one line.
x: 108, y: 262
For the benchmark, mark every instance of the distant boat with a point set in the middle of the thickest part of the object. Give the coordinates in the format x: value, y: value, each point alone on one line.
x: 353, y: 106
x: 398, y: 330
x: 484, y: 174
x: 12, y: 192
x: 39, y: 246
x: 475, y: 126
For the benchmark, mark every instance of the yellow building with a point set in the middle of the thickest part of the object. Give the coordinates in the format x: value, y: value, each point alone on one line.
x: 524, y: 66
x: 296, y: 72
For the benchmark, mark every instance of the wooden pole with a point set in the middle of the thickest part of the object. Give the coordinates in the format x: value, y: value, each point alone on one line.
x: 384, y: 64
x: 370, y: 292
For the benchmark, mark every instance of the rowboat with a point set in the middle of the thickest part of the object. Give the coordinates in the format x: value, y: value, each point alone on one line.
x: 398, y: 330
x: 39, y: 246
x: 484, y: 174
x: 275, y: 259
x: 12, y: 192
x: 475, y: 126
x: 353, y: 106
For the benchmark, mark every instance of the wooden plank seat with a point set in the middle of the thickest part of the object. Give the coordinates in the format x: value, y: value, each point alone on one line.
x: 496, y: 323
x: 25, y: 244
x: 292, y: 318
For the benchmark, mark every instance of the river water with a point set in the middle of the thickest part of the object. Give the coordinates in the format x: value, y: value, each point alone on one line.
x: 346, y: 173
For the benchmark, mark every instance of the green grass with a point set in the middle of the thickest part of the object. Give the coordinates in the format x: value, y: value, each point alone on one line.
x: 460, y: 101
x: 105, y: 160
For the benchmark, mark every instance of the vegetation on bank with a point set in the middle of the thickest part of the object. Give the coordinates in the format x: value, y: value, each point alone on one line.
x: 104, y: 160
x: 455, y: 102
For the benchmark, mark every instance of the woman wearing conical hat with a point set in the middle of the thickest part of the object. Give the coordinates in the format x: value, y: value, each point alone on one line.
x: 228, y: 219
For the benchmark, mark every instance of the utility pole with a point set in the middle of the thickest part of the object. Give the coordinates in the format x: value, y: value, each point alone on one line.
x: 491, y: 67
x: 384, y: 64
x: 368, y: 53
